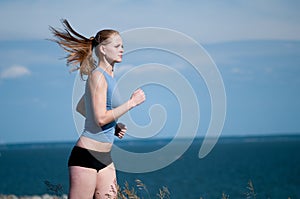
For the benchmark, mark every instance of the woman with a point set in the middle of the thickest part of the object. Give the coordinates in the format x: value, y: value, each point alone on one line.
x: 92, y: 172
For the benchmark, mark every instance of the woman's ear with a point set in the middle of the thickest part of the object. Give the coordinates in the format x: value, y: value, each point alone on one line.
x: 102, y: 49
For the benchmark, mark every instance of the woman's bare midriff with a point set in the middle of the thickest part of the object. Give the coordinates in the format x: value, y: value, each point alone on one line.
x: 91, y: 144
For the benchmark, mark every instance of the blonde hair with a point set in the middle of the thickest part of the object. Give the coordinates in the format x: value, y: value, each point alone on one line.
x: 80, y: 48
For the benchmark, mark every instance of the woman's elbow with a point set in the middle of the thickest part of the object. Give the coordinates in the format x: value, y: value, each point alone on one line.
x: 101, y: 121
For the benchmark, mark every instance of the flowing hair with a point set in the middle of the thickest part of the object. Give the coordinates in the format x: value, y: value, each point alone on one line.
x: 78, y: 47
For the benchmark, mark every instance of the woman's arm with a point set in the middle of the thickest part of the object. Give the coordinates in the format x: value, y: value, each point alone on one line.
x: 80, y: 108
x: 98, y: 89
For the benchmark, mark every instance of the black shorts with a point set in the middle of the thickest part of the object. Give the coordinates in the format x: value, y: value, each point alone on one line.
x: 89, y: 158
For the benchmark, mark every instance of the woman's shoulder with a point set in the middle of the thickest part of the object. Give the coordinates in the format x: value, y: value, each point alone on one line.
x: 97, y: 72
x: 96, y: 76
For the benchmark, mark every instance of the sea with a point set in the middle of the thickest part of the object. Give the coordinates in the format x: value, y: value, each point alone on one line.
x: 237, y: 167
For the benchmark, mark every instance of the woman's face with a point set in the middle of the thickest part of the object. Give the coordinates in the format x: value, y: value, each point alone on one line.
x: 114, y: 50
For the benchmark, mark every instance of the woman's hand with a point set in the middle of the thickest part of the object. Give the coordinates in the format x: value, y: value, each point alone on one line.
x: 120, y: 130
x: 137, y: 97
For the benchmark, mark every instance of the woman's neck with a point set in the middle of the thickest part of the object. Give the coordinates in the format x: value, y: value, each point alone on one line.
x: 107, y: 67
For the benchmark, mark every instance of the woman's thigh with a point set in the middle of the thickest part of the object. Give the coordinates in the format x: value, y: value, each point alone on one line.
x: 82, y: 182
x: 106, y: 183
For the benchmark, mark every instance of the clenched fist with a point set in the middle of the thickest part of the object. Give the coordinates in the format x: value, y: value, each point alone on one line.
x: 137, y: 97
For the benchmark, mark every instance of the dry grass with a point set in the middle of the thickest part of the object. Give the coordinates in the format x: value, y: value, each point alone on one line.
x: 138, y: 191
x: 250, y: 191
x: 128, y: 192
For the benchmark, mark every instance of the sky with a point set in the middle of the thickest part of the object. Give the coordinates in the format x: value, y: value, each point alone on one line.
x: 254, y: 46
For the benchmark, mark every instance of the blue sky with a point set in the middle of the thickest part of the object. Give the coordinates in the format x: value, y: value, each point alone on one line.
x: 255, y: 45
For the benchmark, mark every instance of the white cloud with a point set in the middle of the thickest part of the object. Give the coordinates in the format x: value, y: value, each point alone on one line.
x: 14, y: 71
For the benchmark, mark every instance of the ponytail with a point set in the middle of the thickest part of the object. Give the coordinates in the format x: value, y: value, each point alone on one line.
x: 79, y: 48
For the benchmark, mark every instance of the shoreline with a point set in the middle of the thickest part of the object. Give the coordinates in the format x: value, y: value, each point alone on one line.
x: 221, y: 139
x: 45, y: 196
